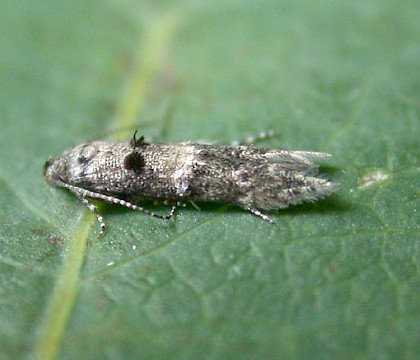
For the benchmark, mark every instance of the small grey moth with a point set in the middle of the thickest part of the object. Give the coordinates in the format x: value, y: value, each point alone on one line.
x: 253, y: 178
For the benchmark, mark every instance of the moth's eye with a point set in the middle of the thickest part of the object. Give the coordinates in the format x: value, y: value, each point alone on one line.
x: 87, y: 153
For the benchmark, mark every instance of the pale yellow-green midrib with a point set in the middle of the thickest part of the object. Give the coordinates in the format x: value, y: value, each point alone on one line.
x: 60, y: 306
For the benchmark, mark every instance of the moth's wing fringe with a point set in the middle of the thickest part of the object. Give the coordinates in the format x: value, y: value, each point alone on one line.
x: 302, y: 157
x: 313, y: 189
x: 300, y: 161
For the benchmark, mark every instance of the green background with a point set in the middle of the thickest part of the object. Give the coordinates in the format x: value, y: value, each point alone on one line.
x: 336, y: 279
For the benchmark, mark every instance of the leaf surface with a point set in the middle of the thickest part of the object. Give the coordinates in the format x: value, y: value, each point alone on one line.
x: 335, y: 279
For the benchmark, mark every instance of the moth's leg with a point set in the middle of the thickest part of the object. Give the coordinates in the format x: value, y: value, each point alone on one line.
x: 151, y: 213
x: 127, y: 204
x: 173, y: 202
x: 259, y: 137
x: 195, y: 205
x: 82, y: 194
x: 94, y: 209
x: 261, y: 215
x: 171, y: 212
x: 180, y: 203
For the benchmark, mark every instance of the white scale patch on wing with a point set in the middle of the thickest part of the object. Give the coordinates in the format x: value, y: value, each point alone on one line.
x: 185, y: 157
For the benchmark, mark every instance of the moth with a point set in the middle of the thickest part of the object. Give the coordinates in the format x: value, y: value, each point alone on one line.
x: 253, y: 178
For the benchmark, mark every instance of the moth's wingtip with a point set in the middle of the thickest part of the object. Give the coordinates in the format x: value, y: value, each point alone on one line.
x: 333, y: 185
x: 318, y: 154
x: 308, y: 156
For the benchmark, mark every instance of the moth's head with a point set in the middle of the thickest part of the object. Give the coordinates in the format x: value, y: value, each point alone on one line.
x: 56, y: 171
x: 66, y: 167
x: 79, y: 165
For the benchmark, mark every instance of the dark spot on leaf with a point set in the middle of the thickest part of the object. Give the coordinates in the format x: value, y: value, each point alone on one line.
x: 55, y: 241
x: 38, y: 231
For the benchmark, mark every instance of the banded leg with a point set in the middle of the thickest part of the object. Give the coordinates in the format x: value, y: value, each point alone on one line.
x: 259, y: 137
x: 129, y: 205
x: 261, y: 215
x: 82, y: 194
x: 94, y: 209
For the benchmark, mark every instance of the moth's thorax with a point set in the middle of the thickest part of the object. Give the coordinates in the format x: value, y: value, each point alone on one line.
x: 110, y: 167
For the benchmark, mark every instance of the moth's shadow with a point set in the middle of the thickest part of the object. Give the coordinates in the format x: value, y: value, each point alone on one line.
x: 328, y: 169
x: 332, y: 203
x: 108, y: 208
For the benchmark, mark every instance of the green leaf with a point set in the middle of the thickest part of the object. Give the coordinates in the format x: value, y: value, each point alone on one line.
x: 335, y: 279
